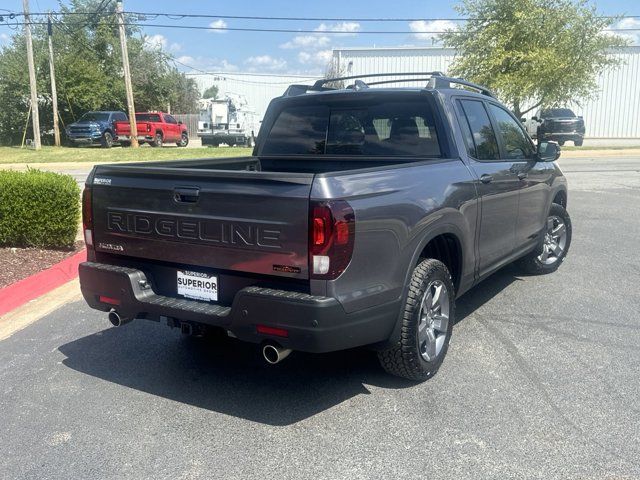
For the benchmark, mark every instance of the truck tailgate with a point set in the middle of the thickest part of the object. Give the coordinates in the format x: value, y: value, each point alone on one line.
x: 245, y: 221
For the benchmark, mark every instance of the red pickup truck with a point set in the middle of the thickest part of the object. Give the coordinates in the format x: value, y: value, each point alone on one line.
x: 154, y: 128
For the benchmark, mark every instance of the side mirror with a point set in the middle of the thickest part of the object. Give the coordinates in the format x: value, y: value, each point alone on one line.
x: 179, y: 122
x: 535, y: 119
x: 548, y: 151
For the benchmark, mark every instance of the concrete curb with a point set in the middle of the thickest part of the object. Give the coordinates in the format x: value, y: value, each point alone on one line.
x: 27, y: 289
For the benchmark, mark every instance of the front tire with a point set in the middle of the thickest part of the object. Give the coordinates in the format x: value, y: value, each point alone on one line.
x: 184, y: 140
x: 578, y: 142
x: 107, y: 140
x: 555, y: 246
x: 428, y: 316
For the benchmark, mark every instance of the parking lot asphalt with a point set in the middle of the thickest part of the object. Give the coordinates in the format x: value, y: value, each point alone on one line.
x: 541, y: 381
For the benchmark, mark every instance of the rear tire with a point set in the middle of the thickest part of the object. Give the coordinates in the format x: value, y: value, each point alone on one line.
x: 157, y: 140
x: 428, y: 316
x: 107, y: 140
x: 578, y: 143
x: 555, y: 246
x: 561, y: 142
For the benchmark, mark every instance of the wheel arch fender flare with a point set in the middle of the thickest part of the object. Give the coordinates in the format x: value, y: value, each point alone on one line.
x: 435, y: 231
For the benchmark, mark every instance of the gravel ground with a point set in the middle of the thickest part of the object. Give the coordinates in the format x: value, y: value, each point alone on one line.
x: 19, y: 263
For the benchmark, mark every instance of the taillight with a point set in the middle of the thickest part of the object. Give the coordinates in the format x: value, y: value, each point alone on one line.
x: 87, y: 216
x: 148, y: 127
x: 331, y: 236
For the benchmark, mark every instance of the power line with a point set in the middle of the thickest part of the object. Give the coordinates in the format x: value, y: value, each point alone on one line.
x: 179, y: 16
x: 289, y: 30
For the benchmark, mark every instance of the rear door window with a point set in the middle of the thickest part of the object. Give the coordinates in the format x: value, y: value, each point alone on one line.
x: 147, y: 117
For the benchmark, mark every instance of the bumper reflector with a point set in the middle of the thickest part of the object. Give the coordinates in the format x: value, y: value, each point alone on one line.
x: 109, y: 300
x: 277, y: 332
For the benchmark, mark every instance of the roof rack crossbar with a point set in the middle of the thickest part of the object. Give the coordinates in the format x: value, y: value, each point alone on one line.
x: 320, y: 83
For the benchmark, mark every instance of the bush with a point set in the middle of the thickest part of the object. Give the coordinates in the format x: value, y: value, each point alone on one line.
x: 38, y: 209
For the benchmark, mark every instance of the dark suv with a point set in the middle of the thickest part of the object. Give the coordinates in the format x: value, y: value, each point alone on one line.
x: 361, y: 216
x: 557, y: 124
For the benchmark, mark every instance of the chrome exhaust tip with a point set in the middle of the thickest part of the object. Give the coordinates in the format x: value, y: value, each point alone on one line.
x: 274, y: 353
x: 115, y: 318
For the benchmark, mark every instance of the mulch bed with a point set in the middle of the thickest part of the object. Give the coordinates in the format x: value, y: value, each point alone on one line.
x: 19, y: 263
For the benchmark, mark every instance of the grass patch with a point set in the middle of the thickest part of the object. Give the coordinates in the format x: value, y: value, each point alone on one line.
x: 603, y: 147
x: 115, y: 154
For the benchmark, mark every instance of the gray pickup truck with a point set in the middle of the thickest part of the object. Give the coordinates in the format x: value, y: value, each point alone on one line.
x: 360, y: 218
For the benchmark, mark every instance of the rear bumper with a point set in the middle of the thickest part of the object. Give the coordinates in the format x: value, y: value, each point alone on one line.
x: 314, y: 324
x: 127, y: 138
x: 567, y: 135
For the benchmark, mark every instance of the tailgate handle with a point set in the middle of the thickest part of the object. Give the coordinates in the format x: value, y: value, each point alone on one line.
x: 186, y: 194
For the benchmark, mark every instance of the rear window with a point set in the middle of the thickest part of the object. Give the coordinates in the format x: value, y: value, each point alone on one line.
x: 557, y: 112
x: 147, y: 117
x: 384, y: 129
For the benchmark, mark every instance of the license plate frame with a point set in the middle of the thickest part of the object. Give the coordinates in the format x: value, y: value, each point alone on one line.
x: 197, y: 285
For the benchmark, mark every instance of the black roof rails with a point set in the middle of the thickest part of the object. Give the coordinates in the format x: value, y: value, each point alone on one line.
x: 435, y: 80
x: 445, y: 82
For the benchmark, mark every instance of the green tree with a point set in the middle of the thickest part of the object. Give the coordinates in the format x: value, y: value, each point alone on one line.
x: 211, y: 92
x: 533, y: 53
x: 88, y: 71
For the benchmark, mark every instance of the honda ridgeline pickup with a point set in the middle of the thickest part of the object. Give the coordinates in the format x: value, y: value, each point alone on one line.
x: 361, y: 216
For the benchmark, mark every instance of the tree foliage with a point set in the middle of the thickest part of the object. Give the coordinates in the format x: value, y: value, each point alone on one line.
x: 211, y: 92
x: 533, y: 53
x: 88, y: 64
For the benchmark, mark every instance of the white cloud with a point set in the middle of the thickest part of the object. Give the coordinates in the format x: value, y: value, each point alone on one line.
x: 320, y: 58
x: 160, y: 42
x: 208, y: 64
x: 437, y: 26
x: 265, y: 62
x: 314, y: 49
x: 307, y: 42
x: 348, y: 28
x: 218, y: 24
x: 633, y: 36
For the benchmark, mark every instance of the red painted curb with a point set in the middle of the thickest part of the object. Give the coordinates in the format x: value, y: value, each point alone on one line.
x: 25, y: 290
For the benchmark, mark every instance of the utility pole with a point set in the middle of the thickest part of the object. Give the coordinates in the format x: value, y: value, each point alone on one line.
x: 35, y: 118
x: 127, y: 75
x: 54, y: 93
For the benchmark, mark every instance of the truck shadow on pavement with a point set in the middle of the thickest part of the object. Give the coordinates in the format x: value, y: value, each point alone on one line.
x: 230, y: 377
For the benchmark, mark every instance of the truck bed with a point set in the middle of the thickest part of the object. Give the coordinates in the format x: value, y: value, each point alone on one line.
x: 299, y: 164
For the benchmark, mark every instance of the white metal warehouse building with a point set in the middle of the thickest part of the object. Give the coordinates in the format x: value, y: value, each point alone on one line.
x: 615, y: 114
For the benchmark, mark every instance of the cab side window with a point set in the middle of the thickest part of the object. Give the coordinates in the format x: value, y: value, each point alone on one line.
x: 478, y: 132
x: 169, y: 119
x: 516, y: 144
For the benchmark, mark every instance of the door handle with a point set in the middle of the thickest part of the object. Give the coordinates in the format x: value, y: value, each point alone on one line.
x: 486, y: 178
x: 522, y: 175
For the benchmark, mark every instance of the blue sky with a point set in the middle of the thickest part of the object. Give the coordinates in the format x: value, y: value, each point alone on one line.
x: 302, y: 53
